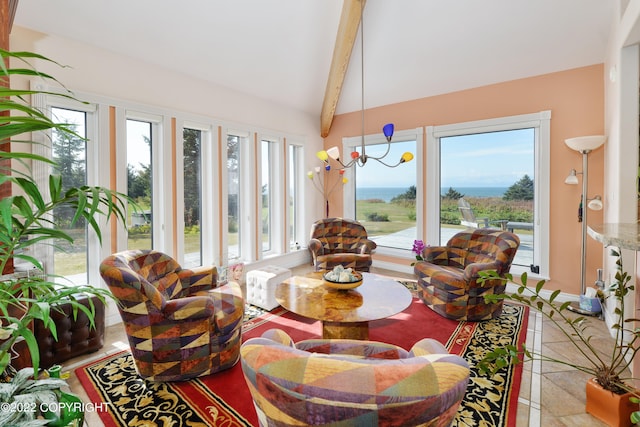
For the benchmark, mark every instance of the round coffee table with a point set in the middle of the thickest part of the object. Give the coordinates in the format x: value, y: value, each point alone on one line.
x: 344, y: 313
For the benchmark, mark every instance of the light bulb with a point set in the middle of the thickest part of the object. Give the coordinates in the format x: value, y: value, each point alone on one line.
x: 406, y: 157
x: 322, y: 155
x: 572, y: 179
x: 334, y: 153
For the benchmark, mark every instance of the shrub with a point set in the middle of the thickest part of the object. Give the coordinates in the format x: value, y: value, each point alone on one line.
x: 375, y: 217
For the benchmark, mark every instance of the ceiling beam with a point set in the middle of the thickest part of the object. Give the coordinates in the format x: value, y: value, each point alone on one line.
x: 345, y: 39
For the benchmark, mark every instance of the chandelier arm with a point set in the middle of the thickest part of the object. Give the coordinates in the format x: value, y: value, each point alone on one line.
x: 386, y: 164
x: 384, y: 155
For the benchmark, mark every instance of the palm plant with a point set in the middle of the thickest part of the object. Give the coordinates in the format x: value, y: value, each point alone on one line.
x: 26, y: 217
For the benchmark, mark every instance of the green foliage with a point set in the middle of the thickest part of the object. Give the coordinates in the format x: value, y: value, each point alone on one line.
x: 452, y: 194
x: 521, y: 190
x: 410, y: 194
x: 27, y: 219
x: 493, y: 208
x: 608, y: 370
x: 375, y: 217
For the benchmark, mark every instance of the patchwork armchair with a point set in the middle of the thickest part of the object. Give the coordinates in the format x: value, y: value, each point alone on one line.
x: 339, y: 241
x: 180, y: 324
x: 352, y: 382
x: 448, y: 276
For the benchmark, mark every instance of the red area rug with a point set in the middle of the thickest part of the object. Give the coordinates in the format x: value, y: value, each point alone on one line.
x: 223, y: 399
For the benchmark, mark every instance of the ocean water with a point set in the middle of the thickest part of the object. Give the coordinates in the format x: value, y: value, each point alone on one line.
x: 388, y: 193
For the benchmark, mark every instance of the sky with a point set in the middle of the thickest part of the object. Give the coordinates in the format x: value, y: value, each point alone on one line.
x: 494, y: 159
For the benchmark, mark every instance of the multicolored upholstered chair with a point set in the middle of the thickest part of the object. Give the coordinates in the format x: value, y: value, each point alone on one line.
x: 448, y: 276
x: 179, y: 323
x: 339, y: 241
x: 351, y: 382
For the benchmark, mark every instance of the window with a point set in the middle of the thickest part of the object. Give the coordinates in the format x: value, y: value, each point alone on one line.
x: 70, y: 153
x: 295, y: 196
x: 494, y: 173
x: 139, y: 183
x: 384, y: 199
x: 268, y: 154
x: 234, y: 184
x: 500, y: 167
x: 192, y: 196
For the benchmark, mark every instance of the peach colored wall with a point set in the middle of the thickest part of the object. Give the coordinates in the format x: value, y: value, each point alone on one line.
x: 576, y: 100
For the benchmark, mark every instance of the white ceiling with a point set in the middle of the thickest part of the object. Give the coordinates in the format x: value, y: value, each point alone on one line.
x: 281, y: 50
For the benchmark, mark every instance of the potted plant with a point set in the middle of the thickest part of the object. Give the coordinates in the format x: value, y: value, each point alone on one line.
x: 26, y: 219
x: 609, y: 371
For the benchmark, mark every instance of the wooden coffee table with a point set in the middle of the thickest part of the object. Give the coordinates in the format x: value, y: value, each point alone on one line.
x: 344, y: 314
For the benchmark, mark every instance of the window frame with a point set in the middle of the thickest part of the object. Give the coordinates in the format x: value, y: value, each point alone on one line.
x: 349, y: 144
x: 541, y: 123
x: 93, y: 172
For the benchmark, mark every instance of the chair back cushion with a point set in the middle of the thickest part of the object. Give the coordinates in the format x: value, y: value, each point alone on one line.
x: 484, y: 245
x: 338, y: 235
x: 142, y: 280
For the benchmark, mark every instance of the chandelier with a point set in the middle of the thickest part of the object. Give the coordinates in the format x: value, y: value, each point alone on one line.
x: 360, y: 158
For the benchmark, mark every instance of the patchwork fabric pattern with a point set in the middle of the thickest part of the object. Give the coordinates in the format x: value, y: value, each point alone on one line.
x: 180, y: 325
x: 294, y: 386
x: 448, y: 276
x: 338, y: 241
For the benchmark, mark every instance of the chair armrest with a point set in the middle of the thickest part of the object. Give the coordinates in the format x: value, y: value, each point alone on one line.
x: 200, y: 307
x: 279, y: 336
x: 315, y: 247
x: 367, y: 246
x: 229, y: 305
x: 471, y: 271
x: 197, y: 280
x: 428, y: 346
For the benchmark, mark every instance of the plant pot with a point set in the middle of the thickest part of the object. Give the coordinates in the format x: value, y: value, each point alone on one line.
x: 610, y: 408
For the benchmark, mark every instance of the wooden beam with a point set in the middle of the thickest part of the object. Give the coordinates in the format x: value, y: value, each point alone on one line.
x: 345, y: 39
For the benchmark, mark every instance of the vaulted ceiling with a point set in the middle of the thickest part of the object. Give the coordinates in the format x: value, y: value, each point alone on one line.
x: 282, y: 50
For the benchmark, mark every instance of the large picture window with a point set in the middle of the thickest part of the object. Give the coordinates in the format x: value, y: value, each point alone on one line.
x: 500, y: 168
x: 384, y: 199
x: 494, y: 174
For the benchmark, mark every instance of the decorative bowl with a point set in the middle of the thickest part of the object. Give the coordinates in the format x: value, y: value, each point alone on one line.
x: 343, y: 285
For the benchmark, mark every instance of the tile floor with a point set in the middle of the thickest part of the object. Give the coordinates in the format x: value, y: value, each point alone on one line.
x: 551, y: 395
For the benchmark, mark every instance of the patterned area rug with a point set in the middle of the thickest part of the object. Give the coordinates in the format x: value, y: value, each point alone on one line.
x: 224, y: 400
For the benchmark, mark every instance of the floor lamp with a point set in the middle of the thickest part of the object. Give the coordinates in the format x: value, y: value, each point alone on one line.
x: 584, y: 145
